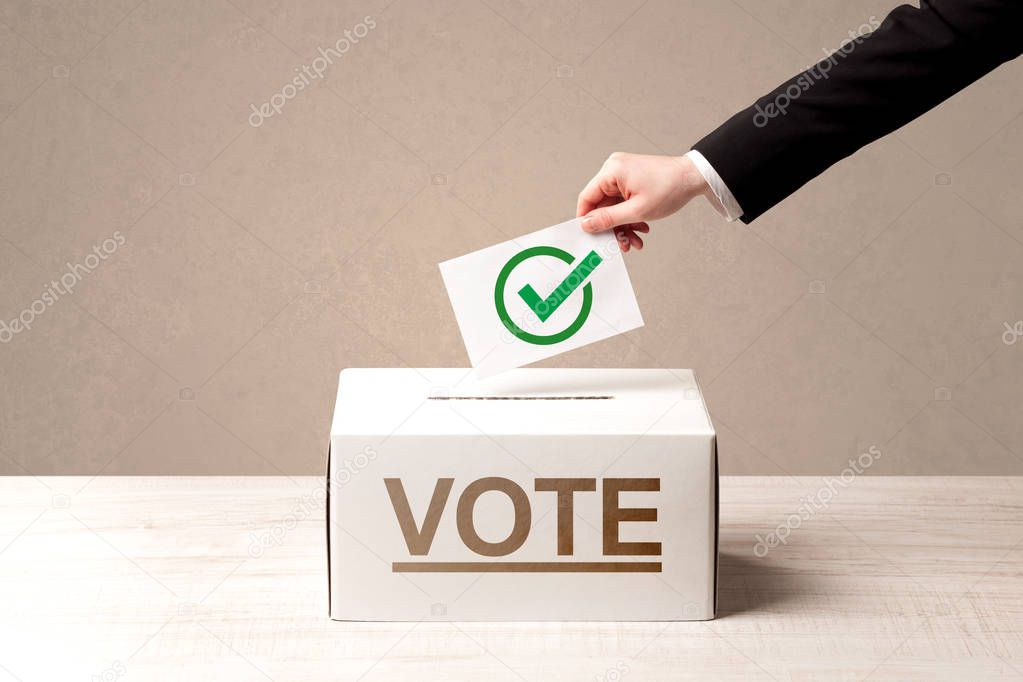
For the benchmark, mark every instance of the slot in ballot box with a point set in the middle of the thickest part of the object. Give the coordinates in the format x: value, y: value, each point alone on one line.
x: 538, y: 494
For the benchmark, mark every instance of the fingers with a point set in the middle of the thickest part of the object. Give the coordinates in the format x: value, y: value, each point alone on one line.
x: 623, y: 240
x: 596, y: 193
x: 604, y: 218
x: 602, y: 207
x: 627, y: 237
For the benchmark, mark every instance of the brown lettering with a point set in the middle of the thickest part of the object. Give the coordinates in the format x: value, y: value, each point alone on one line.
x: 614, y: 514
x: 418, y: 541
x: 566, y: 487
x: 467, y: 503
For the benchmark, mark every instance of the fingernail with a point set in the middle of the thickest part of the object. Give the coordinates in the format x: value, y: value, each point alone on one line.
x: 587, y: 223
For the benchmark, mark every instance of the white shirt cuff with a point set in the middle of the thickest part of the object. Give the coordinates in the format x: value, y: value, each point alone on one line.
x: 728, y: 207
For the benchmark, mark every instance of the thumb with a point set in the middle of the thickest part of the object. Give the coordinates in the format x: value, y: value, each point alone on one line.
x: 607, y: 217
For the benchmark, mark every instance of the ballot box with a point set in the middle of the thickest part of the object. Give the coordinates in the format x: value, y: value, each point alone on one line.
x: 538, y: 494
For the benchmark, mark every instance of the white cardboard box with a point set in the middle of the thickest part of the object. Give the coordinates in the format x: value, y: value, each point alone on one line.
x: 539, y: 494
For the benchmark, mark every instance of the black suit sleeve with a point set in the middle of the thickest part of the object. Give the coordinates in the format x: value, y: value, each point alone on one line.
x: 877, y: 82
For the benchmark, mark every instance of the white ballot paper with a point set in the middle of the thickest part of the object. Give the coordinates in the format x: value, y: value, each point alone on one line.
x: 539, y: 295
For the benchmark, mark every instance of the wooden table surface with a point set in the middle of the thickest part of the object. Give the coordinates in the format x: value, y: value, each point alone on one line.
x: 224, y: 578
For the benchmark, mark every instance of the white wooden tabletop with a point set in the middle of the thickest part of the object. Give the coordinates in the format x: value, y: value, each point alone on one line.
x: 224, y: 578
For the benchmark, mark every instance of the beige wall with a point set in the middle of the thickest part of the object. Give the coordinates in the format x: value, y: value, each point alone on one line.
x: 868, y: 310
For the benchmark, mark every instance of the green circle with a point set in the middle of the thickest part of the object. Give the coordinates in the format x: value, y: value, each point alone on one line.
x: 502, y: 311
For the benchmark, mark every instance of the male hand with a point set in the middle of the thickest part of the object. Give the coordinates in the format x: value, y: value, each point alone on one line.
x: 631, y: 189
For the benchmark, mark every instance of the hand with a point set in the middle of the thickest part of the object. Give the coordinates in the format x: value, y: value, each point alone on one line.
x: 631, y: 189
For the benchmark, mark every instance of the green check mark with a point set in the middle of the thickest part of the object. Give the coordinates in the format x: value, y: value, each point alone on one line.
x: 545, y: 307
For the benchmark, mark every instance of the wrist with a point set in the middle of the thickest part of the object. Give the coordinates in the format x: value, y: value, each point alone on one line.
x: 691, y: 180
x: 704, y: 185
